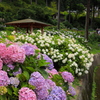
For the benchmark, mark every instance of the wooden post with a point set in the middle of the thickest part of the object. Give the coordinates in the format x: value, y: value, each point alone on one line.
x: 31, y: 28
x: 16, y: 29
x: 42, y: 30
x: 27, y: 30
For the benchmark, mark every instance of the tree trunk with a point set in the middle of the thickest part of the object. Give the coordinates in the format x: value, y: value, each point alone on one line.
x: 87, y: 20
x: 69, y: 17
x: 98, y: 11
x: 58, y: 14
x: 46, y: 2
x: 92, y: 16
x: 31, y: 1
x: 0, y: 0
x: 36, y: 1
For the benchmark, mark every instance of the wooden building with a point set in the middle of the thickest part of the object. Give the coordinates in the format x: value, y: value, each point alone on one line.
x: 29, y: 24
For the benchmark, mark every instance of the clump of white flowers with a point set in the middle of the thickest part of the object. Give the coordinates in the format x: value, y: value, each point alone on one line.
x: 64, y: 49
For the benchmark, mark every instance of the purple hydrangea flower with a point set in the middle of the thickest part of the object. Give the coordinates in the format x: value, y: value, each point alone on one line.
x: 37, y: 80
x: 67, y: 76
x: 11, y: 66
x: 72, y: 91
x: 45, y: 57
x: 17, y: 72
x: 42, y: 94
x: 4, y: 79
x: 29, y: 49
x: 50, y: 84
x: 51, y: 66
x: 57, y: 93
x: 14, y: 81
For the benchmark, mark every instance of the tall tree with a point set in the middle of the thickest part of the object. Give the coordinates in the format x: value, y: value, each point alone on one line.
x: 87, y: 20
x: 46, y: 2
x: 36, y: 1
x: 31, y: 1
x: 58, y: 14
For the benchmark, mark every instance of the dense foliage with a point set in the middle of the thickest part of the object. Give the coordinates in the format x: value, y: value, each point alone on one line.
x: 72, y: 12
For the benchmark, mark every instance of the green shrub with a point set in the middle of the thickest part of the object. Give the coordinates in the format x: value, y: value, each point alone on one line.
x: 96, y: 23
x: 94, y: 37
x: 67, y: 24
x: 9, y: 28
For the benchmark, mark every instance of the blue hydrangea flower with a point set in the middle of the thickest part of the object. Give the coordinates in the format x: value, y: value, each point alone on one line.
x: 57, y: 93
x: 72, y: 91
x: 42, y: 94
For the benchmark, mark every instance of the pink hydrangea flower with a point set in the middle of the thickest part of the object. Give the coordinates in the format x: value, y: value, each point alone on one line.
x: 52, y: 72
x: 4, y: 79
x: 67, y: 76
x: 26, y: 94
x: 16, y: 54
x: 2, y: 49
x: 1, y: 64
x: 13, y: 53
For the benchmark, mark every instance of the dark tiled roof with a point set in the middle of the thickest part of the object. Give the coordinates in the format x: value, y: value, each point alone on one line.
x: 27, y: 23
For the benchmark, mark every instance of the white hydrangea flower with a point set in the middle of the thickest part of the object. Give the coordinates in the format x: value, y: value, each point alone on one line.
x: 91, y: 59
x: 80, y: 73
x: 70, y: 60
x: 86, y: 71
x: 66, y: 53
x: 79, y: 50
x: 71, y: 55
x: 76, y: 71
x: 82, y: 69
x: 42, y: 45
x: 76, y: 53
x: 64, y: 61
x: 55, y: 60
x: 47, y: 44
x: 46, y: 50
x: 51, y: 48
x: 36, y: 39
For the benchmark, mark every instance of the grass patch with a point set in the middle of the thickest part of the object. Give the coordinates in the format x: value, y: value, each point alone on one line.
x: 95, y: 47
x: 94, y: 85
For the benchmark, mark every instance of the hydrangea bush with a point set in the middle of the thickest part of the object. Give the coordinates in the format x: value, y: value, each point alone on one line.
x: 28, y: 74
x: 66, y: 52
